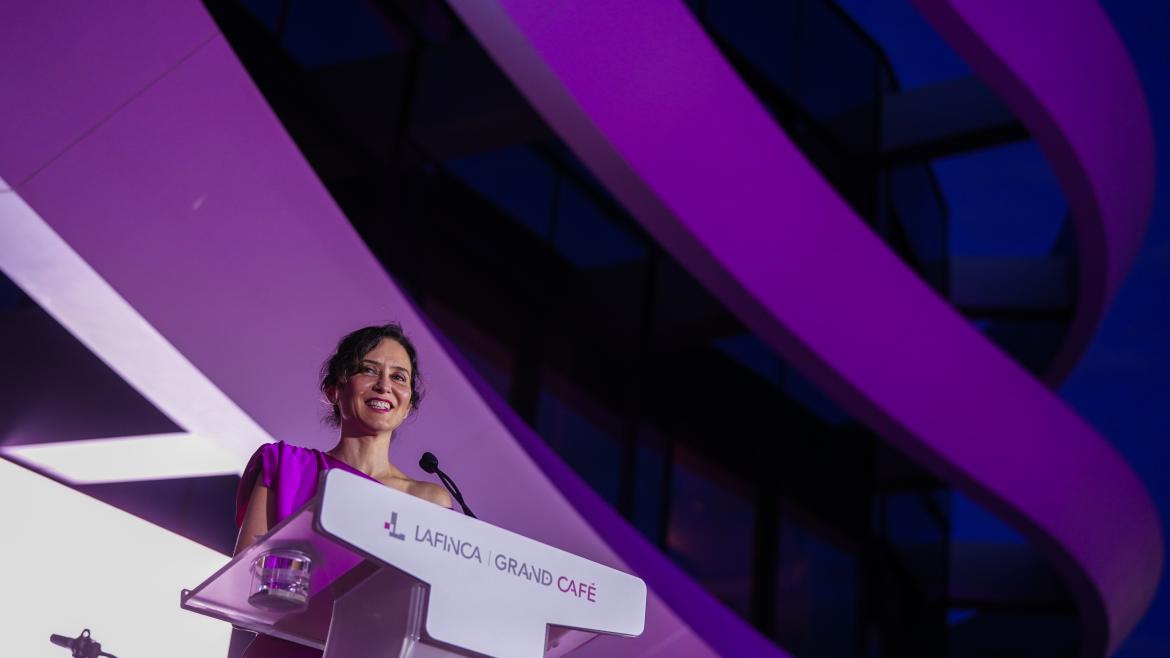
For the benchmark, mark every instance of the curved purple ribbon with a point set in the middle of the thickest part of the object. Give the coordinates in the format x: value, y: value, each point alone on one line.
x: 1064, y: 71
x: 645, y: 99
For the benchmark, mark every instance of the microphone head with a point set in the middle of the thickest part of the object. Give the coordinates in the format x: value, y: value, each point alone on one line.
x: 429, y: 462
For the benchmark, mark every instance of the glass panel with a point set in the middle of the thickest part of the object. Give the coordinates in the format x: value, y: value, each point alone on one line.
x: 1004, y: 201
x: 812, y: 398
x: 921, y: 217
x: 711, y: 529
x: 916, y: 527
x: 972, y: 523
x: 1032, y: 341
x: 322, y: 34
x: 839, y: 77
x: 267, y: 11
x: 650, y: 473
x: 817, y: 595
x: 516, y: 181
x: 587, y: 236
x: 918, y: 53
x: 582, y: 432
x: 491, y: 358
x: 762, y: 31
x: 750, y: 352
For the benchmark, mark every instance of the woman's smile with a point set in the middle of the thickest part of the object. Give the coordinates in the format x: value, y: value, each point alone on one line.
x: 379, y: 405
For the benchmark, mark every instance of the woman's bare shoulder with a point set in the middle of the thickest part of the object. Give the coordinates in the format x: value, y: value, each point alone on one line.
x: 431, y: 492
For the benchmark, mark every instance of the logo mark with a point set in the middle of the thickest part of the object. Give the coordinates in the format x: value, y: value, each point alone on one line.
x: 392, y: 526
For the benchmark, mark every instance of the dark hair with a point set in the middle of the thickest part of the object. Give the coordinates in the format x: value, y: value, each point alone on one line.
x: 354, y: 347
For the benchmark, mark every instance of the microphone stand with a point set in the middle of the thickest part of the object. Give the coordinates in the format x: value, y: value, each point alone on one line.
x: 455, y: 493
x: 83, y: 646
x: 429, y: 463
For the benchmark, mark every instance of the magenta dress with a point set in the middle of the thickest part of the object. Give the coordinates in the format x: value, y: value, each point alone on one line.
x: 290, y: 473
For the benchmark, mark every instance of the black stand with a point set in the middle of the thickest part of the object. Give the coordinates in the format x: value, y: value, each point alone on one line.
x: 82, y: 646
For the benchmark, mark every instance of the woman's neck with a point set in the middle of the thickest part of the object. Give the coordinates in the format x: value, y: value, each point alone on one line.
x: 369, y: 454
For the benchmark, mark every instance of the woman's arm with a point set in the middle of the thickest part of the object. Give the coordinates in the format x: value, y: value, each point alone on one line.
x: 255, y: 518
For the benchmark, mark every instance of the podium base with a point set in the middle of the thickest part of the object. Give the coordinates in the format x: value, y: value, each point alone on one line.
x: 382, y: 618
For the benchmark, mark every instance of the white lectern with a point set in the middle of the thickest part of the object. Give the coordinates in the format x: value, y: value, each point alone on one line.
x: 393, y: 575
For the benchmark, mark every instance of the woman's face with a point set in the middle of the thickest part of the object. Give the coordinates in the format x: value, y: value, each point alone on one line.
x: 376, y: 399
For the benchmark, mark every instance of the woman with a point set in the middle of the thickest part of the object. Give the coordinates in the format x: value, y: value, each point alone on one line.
x: 372, y: 384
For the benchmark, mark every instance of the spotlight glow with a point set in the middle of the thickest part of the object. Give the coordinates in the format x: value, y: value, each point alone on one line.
x: 128, y: 459
x: 73, y: 562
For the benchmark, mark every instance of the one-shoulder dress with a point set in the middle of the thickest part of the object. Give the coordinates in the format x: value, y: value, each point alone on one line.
x: 291, y: 474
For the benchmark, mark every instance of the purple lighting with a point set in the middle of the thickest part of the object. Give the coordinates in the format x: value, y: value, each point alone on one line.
x: 204, y: 261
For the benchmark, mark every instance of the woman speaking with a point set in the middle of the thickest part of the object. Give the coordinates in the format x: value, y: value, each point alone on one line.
x: 371, y: 383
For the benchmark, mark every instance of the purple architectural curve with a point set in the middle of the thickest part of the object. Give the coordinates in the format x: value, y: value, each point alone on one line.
x: 649, y: 103
x: 1064, y: 71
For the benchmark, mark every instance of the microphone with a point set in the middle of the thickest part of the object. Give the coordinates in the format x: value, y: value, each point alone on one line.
x: 81, y: 646
x: 430, y: 463
x: 61, y: 641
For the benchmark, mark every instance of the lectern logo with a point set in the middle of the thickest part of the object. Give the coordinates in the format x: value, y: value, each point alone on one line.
x: 392, y: 526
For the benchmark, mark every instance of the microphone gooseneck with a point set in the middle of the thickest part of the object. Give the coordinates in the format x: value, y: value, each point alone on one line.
x: 430, y: 463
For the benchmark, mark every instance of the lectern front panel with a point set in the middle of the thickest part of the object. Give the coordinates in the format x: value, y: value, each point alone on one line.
x: 491, y: 590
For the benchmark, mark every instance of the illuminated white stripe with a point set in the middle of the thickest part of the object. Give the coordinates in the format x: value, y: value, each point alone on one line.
x: 73, y: 562
x: 38, y: 260
x: 128, y: 459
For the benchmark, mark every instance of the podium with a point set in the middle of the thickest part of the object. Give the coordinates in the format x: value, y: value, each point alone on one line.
x: 393, y: 575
